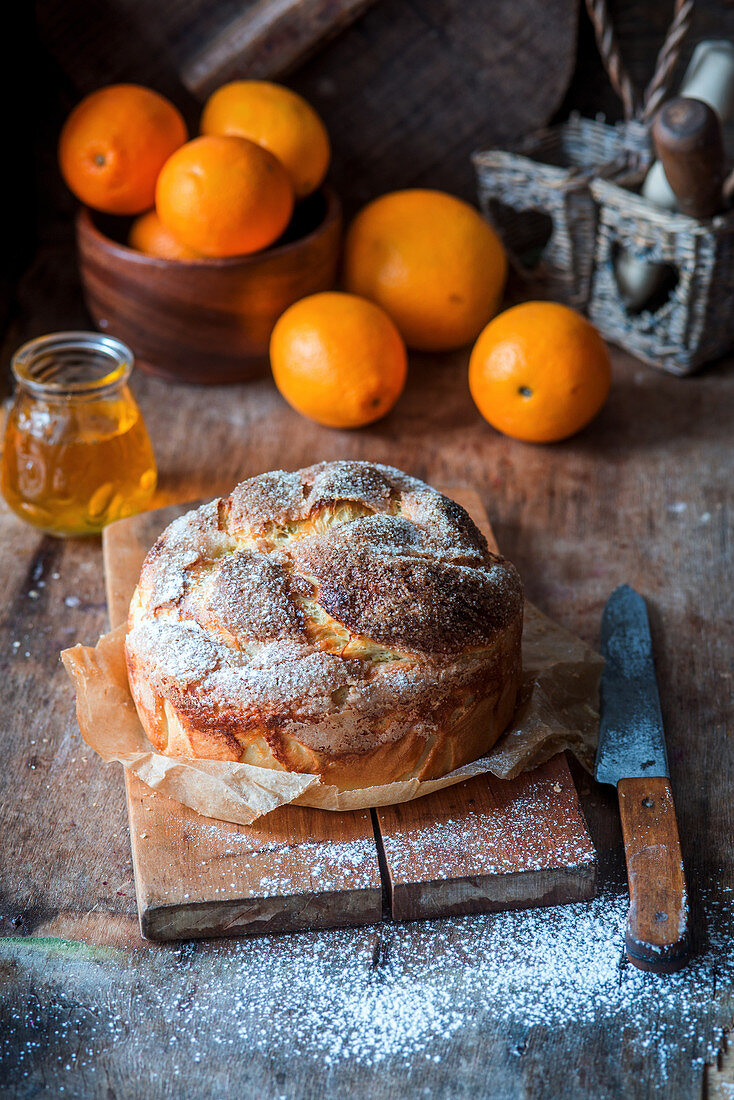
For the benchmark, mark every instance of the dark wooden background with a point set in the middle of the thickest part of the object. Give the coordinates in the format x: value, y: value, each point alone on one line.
x: 407, y: 92
x: 644, y: 496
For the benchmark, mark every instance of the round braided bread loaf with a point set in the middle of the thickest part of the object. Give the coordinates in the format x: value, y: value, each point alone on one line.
x: 344, y: 620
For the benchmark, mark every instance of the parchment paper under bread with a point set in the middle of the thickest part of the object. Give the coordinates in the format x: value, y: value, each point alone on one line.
x: 557, y: 710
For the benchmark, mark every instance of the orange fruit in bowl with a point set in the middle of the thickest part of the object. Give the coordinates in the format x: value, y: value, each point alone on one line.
x: 539, y: 372
x: 338, y: 359
x: 431, y: 261
x: 224, y: 196
x: 278, y: 119
x: 113, y: 145
x: 148, y: 234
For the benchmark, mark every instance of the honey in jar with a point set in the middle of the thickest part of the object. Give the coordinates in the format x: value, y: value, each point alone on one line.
x: 76, y: 454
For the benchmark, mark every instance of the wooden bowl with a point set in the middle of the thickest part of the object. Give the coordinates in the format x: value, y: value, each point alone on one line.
x: 208, y: 321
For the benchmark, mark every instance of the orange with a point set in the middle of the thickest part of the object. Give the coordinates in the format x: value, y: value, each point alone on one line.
x: 224, y: 196
x: 113, y: 145
x: 338, y: 359
x: 149, y: 235
x: 539, y: 372
x: 431, y: 261
x: 278, y: 119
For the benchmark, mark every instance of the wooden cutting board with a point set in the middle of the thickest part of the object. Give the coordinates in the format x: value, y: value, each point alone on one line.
x: 483, y: 845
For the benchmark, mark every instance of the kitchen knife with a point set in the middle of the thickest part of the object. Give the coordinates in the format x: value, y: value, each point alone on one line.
x: 632, y: 756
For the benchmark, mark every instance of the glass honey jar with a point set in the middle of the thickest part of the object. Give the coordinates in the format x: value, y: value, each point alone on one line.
x: 76, y: 454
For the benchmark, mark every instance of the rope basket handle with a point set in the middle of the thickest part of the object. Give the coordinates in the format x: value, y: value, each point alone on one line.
x: 667, y: 59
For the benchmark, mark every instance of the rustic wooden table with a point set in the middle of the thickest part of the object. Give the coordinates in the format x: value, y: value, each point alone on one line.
x: 528, y: 1004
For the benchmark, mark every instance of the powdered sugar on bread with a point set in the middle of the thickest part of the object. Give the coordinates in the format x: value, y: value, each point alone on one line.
x: 314, y: 617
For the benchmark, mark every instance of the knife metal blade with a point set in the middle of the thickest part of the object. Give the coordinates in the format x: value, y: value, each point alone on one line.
x: 631, y: 737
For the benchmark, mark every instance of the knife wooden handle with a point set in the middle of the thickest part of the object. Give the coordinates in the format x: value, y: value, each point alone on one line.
x: 657, y: 935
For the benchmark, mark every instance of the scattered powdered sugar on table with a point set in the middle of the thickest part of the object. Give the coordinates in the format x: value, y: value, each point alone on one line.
x: 421, y: 983
x: 395, y: 996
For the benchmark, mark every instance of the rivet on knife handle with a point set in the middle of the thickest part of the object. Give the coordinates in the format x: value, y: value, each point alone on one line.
x: 657, y: 936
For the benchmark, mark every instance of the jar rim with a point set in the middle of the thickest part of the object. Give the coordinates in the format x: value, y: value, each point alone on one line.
x: 71, y: 363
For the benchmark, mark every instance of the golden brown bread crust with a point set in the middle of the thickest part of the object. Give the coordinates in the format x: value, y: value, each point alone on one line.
x: 344, y: 620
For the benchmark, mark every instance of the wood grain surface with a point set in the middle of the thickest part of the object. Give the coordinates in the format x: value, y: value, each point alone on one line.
x: 299, y: 868
x: 502, y: 1006
x: 489, y: 845
x: 406, y: 92
x: 642, y: 496
x: 720, y: 1076
x: 658, y: 936
x: 267, y: 39
x: 481, y: 846
x: 687, y: 137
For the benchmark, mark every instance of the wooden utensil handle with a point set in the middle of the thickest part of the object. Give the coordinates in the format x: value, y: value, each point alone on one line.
x: 657, y: 935
x: 687, y: 136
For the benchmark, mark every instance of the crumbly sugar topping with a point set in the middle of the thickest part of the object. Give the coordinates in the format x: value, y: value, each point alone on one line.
x: 361, y: 482
x: 193, y: 538
x: 180, y: 651
x: 253, y: 505
x: 398, y: 593
x: 250, y: 596
x: 344, y: 590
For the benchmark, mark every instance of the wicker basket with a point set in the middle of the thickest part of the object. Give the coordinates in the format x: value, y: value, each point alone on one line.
x: 691, y: 321
x: 537, y: 197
